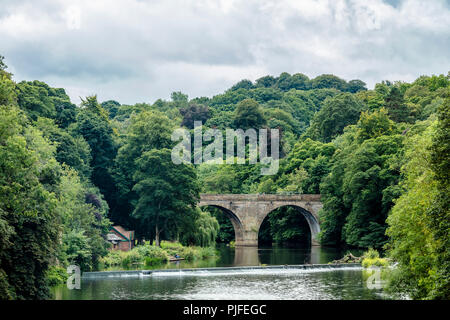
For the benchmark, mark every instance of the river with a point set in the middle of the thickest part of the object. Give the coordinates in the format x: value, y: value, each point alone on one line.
x: 242, y: 284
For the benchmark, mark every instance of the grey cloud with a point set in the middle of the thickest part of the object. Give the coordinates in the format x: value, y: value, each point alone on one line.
x: 135, y: 51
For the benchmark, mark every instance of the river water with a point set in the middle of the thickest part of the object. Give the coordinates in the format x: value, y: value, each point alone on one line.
x: 238, y: 284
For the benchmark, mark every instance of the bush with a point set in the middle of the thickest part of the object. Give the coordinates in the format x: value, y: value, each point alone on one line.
x: 372, y: 258
x: 207, y: 252
x: 151, y: 255
x: 56, y: 276
x: 132, y: 257
x: 113, y: 258
x: 371, y: 254
x: 189, y: 253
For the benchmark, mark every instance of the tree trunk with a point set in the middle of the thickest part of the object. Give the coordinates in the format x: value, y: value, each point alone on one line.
x: 157, y: 231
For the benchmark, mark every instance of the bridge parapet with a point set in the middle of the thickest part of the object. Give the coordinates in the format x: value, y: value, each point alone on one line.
x: 260, y: 197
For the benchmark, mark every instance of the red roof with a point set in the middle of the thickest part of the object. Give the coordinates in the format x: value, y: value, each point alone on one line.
x: 121, y: 232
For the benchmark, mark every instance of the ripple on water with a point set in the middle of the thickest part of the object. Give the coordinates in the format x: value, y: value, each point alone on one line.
x: 270, y: 284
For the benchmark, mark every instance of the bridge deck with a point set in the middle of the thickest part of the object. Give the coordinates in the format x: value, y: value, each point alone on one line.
x: 259, y: 197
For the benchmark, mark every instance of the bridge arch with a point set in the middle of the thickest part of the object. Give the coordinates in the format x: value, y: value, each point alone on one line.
x: 235, y: 221
x: 311, y: 219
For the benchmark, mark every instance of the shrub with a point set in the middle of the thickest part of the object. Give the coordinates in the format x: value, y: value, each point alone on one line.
x: 189, y: 253
x: 372, y: 258
x: 113, y: 258
x: 152, y: 254
x: 132, y: 257
x: 371, y: 254
x: 207, y: 252
x: 56, y: 276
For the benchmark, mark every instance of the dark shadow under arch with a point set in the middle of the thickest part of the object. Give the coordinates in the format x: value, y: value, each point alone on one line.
x: 313, y: 223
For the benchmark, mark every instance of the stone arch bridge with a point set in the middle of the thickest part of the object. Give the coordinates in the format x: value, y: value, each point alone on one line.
x: 247, y: 212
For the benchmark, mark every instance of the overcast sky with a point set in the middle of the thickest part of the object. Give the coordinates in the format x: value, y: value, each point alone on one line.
x: 138, y: 51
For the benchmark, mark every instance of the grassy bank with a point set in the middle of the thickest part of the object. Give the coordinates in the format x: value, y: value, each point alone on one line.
x: 149, y: 255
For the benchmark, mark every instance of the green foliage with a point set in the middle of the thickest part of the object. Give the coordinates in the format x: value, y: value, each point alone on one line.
x: 62, y: 168
x: 7, y: 91
x: 396, y: 107
x: 112, y: 259
x: 38, y: 99
x: 372, y: 258
x: 188, y: 252
x: 34, y: 98
x: 77, y: 249
x: 358, y: 192
x: 70, y: 150
x: 158, y: 180
x: 194, y: 112
x: 337, y: 113
x: 147, y: 130
x: 56, y: 276
x: 419, y: 222
x: 411, y: 240
x: 150, y: 255
x: 226, y: 229
x: 314, y: 158
x: 248, y: 114
x: 27, y: 208
x: 375, y: 124
x: 111, y: 106
x: 294, y: 181
x: 328, y: 81
x: 93, y: 125
x: 203, y: 232
x: 286, y: 225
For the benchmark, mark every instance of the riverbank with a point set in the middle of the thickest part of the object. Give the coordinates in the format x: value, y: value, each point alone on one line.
x: 152, y: 256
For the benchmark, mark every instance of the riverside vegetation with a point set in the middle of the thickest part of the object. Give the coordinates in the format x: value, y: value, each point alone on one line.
x: 379, y: 158
x: 151, y: 255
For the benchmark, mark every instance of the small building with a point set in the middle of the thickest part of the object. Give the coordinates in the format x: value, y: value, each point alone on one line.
x: 120, y: 238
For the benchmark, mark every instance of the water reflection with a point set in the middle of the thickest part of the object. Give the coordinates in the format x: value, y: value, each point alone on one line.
x: 246, y: 256
x: 253, y: 256
x: 308, y: 284
x: 311, y: 284
x: 278, y: 255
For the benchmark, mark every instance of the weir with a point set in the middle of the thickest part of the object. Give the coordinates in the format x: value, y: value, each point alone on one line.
x: 275, y: 269
x: 248, y: 211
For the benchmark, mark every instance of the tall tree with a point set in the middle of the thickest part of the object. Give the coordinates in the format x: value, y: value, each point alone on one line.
x: 336, y: 113
x: 439, y: 213
x: 28, y: 220
x: 148, y: 130
x: 248, y: 114
x: 397, y: 109
x: 166, y: 191
x: 194, y: 112
x: 94, y: 126
x: 419, y: 222
x: 328, y: 81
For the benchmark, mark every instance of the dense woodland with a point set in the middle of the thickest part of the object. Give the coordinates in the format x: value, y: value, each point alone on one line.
x: 379, y: 158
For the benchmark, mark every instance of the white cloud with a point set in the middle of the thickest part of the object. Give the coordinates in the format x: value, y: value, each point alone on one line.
x: 136, y: 50
x: 73, y: 17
